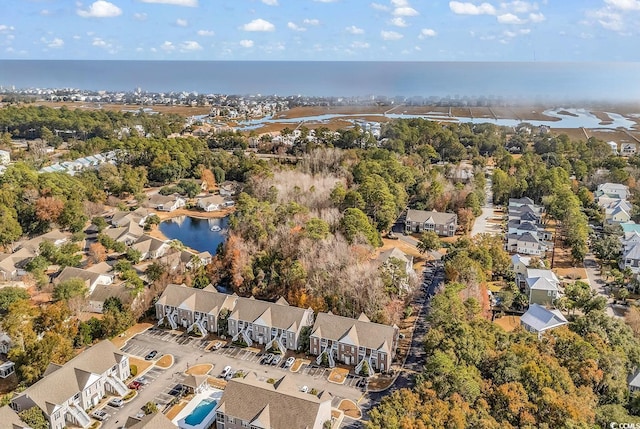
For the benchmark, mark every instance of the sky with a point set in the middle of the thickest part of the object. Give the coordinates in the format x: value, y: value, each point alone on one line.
x: 339, y: 30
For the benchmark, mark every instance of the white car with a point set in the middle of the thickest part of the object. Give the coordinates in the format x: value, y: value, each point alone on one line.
x: 225, y: 371
x: 289, y: 362
x: 304, y: 389
x: 116, y: 402
x: 100, y: 415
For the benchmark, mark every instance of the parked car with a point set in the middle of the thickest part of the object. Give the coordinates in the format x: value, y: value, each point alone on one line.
x: 134, y: 385
x: 142, y: 380
x: 217, y: 345
x: 140, y: 414
x: 289, y: 362
x: 230, y: 375
x: 227, y: 369
x: 304, y: 389
x: 100, y: 415
x: 116, y: 402
x: 152, y: 354
x: 267, y: 359
x: 276, y: 360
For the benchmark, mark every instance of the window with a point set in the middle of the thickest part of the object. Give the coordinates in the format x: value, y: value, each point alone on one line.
x: 220, y: 417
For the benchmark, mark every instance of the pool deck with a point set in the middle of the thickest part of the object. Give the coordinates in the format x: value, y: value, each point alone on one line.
x: 210, y: 393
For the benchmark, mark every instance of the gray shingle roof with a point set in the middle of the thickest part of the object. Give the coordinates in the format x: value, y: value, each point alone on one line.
x: 359, y: 332
x: 62, y: 382
x: 439, y: 218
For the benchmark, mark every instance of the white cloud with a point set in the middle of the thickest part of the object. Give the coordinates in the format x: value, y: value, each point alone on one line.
x: 354, y: 30
x: 54, y: 43
x: 378, y: 6
x: 100, y: 9
x: 190, y: 45
x: 509, y: 18
x: 206, y: 33
x: 360, y: 45
x: 461, y: 8
x: 624, y: 4
x: 5, y: 28
x: 519, y: 6
x: 46, y: 12
x: 100, y: 43
x: 400, y: 3
x: 391, y: 35
x: 536, y: 17
x: 325, y: 1
x: 608, y: 19
x: 182, y: 22
x: 140, y: 16
x: 427, y: 32
x: 293, y: 26
x: 258, y: 25
x: 246, y: 43
x: 308, y: 21
x: 399, y: 22
x: 168, y: 46
x: 270, y: 2
x: 405, y: 11
x: 186, y: 3
x: 76, y: 37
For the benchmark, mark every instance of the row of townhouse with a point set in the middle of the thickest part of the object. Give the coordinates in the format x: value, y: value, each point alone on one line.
x: 526, y: 234
x: 279, y: 325
x: 12, y: 265
x: 541, y: 286
x: 66, y: 392
x: 88, y: 162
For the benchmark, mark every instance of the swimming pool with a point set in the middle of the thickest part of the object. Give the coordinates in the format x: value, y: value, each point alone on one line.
x: 201, y: 411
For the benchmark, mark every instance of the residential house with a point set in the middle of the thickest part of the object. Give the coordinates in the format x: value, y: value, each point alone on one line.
x: 102, y: 292
x: 616, y: 212
x: 151, y: 247
x: 518, y: 227
x: 228, y: 188
x: 631, y: 259
x: 628, y: 149
x: 539, y: 319
x: 7, y: 368
x: 166, y: 203
x: 5, y: 343
x: 542, y: 286
x: 5, y: 157
x: 634, y: 382
x: 90, y: 278
x: 211, y: 203
x: 272, y: 324
x: 252, y: 402
x: 187, y: 307
x: 12, y: 264
x: 138, y: 216
x: 613, y: 190
x: 526, y: 244
x: 127, y: 234
x: 443, y: 224
x: 10, y: 419
x: 353, y: 342
x: 55, y: 236
x: 614, y: 147
x: 66, y: 391
x: 630, y: 226
x: 519, y: 202
x: 629, y: 239
x: 395, y: 255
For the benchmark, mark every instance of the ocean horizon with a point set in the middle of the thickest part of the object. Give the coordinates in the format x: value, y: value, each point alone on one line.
x: 523, y: 81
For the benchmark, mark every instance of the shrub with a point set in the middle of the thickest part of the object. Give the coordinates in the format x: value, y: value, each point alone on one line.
x: 133, y: 370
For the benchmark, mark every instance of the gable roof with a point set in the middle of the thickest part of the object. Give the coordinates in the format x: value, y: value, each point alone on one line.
x: 541, y: 283
x: 541, y: 319
x: 633, y: 252
x: 438, y: 218
x: 62, y: 382
x: 277, y: 405
x: 274, y: 314
x: 362, y: 333
x: 10, y: 418
x: 150, y: 421
x: 394, y: 253
x: 204, y: 300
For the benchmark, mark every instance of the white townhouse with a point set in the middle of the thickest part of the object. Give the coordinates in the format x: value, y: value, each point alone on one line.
x: 66, y: 392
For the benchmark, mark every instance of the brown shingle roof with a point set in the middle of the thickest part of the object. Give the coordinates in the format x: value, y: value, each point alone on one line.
x: 287, y: 406
x: 422, y: 216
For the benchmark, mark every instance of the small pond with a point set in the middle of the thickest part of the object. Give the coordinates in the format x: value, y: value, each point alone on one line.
x: 199, y: 234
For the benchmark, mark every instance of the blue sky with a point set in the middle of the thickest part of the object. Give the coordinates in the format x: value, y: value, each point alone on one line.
x: 402, y: 30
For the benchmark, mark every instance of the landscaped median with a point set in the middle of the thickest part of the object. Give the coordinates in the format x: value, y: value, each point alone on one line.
x: 350, y: 409
x: 165, y: 362
x: 338, y: 375
x: 201, y: 369
x: 298, y: 364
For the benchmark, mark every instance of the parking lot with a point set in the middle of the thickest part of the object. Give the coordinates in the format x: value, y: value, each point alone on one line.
x: 163, y: 385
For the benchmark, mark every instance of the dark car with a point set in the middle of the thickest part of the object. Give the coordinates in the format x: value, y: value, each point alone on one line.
x: 134, y: 385
x: 151, y: 355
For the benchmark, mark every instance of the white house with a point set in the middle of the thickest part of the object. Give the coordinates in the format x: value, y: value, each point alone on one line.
x: 5, y: 157
x: 616, y: 190
x: 628, y: 149
x: 211, y: 203
x: 166, y: 203
x: 539, y: 319
x: 614, y: 147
